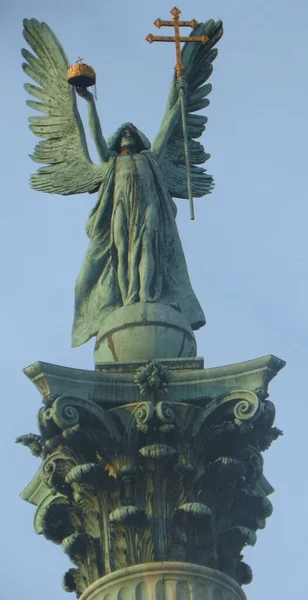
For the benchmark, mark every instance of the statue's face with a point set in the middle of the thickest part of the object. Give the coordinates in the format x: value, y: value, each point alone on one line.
x: 128, y: 140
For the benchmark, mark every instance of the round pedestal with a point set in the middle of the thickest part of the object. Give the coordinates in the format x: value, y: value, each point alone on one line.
x: 144, y: 331
x: 164, y: 581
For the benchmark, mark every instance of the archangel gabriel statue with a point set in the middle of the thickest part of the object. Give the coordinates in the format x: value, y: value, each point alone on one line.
x: 135, y: 253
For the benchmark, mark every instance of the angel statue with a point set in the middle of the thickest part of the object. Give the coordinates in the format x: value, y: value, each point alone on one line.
x: 135, y: 253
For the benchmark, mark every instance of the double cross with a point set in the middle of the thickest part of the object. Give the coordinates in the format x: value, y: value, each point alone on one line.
x: 179, y: 68
x: 177, y: 38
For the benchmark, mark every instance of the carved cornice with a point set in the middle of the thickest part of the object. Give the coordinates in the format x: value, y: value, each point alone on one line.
x: 189, y: 383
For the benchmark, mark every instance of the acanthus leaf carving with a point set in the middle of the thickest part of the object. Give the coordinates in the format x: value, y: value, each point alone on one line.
x: 154, y: 481
x: 34, y: 442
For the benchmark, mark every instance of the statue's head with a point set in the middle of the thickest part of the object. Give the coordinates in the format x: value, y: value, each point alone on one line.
x: 129, y: 141
x: 128, y: 138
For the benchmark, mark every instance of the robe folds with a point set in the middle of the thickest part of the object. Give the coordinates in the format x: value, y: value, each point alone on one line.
x: 134, y: 200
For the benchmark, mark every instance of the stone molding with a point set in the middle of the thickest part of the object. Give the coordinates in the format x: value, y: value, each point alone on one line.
x: 190, y: 381
x: 165, y: 581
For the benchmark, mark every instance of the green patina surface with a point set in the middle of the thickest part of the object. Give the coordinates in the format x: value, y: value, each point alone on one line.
x: 152, y: 462
x: 142, y: 460
x: 135, y: 253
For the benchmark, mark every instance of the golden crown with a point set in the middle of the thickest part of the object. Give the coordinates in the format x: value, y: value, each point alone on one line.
x: 81, y: 75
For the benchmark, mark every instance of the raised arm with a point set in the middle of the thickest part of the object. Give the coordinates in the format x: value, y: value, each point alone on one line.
x: 167, y: 127
x: 94, y: 124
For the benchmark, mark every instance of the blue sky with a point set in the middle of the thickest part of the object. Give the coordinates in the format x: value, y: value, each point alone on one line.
x: 246, y: 251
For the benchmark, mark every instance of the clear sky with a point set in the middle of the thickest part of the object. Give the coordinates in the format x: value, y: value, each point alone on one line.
x: 246, y: 251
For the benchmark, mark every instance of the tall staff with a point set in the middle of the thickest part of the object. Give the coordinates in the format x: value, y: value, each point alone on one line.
x: 179, y: 68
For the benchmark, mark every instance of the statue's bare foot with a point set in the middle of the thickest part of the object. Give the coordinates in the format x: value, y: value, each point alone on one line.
x: 152, y: 300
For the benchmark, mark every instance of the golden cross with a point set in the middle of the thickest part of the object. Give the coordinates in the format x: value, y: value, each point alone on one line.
x: 177, y: 38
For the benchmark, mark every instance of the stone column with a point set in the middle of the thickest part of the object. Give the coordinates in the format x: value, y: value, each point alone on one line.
x: 165, y: 581
x: 151, y: 477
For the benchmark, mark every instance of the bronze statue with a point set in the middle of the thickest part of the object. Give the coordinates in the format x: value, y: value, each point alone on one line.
x: 135, y: 253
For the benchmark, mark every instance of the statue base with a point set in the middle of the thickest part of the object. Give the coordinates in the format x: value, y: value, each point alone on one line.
x: 165, y: 581
x: 144, y: 331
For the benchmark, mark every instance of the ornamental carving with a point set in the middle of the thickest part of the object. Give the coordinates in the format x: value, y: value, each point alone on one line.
x: 153, y: 481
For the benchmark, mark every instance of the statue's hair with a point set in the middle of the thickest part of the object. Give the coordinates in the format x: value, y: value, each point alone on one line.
x: 114, y: 142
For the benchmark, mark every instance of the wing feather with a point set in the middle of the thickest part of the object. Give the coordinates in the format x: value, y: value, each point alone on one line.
x: 198, y: 104
x: 63, y: 149
x: 200, y: 92
x: 44, y: 108
x: 197, y: 60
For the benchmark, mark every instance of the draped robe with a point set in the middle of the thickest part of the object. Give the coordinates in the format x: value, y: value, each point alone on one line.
x: 132, y: 198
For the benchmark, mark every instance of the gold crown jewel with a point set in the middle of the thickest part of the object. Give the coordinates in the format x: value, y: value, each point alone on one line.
x: 81, y: 75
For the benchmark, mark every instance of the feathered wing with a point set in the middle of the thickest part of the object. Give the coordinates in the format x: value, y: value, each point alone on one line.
x: 197, y: 59
x: 64, y: 150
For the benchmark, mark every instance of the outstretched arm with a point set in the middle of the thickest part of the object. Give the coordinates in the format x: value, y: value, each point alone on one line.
x: 94, y: 123
x: 170, y: 121
x: 166, y: 129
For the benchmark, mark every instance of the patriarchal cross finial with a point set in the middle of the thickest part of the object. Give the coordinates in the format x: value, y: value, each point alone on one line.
x: 179, y: 68
x: 177, y: 38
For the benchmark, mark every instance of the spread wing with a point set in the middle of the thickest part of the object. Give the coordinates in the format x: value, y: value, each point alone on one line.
x: 64, y: 150
x: 197, y: 59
